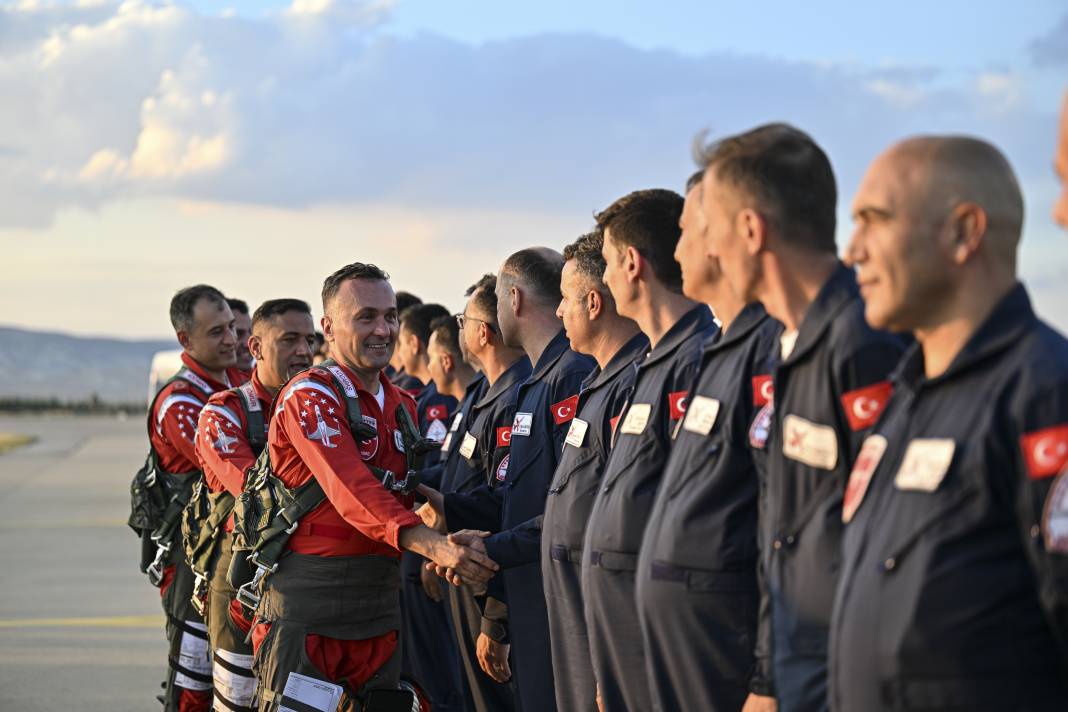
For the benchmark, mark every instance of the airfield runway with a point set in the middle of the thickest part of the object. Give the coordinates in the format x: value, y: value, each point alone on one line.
x: 80, y: 627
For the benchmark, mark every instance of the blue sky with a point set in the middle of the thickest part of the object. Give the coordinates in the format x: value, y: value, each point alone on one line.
x: 147, y: 145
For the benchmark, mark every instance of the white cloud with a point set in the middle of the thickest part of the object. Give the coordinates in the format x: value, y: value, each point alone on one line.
x: 319, y: 104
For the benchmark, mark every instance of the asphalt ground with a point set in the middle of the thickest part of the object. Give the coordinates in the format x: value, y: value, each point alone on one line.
x: 80, y: 626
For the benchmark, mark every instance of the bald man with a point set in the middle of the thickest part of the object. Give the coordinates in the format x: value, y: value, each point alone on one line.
x: 1060, y: 165
x: 954, y: 585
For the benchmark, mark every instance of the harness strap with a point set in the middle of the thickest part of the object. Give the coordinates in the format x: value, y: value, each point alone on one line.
x: 254, y: 420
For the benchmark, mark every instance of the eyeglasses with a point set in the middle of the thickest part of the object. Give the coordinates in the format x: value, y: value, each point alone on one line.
x: 461, y: 318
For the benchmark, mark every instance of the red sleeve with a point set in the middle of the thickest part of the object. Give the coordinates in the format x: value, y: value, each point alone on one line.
x: 176, y: 420
x: 222, y: 444
x: 311, y: 419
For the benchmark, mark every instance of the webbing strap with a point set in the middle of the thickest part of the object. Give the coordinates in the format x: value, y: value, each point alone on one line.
x: 254, y: 420
x: 185, y: 627
x: 230, y: 704
x: 178, y: 667
x: 235, y: 669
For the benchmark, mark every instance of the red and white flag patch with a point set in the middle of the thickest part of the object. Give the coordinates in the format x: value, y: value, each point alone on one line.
x: 437, y: 412
x: 564, y: 411
x: 677, y: 403
x: 763, y: 390
x: 864, y: 405
x: 504, y: 436
x: 1045, y: 451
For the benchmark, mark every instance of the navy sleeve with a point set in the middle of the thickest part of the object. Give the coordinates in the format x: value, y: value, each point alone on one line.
x: 478, y: 509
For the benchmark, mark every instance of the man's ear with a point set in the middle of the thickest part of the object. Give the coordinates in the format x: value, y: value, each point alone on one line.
x: 752, y: 227
x: 255, y: 347
x: 327, y: 323
x: 516, y: 297
x: 633, y: 264
x: 447, y: 362
x: 594, y: 304
x: 183, y: 338
x: 967, y: 226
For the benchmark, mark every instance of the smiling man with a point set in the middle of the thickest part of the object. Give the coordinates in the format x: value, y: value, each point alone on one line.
x: 231, y: 433
x: 954, y: 586
x: 204, y: 325
x: 331, y: 611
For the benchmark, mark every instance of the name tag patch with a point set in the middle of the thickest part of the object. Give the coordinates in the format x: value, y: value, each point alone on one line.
x: 467, y: 447
x: 811, y: 443
x: 701, y: 415
x: 576, y: 434
x: 925, y: 464
x: 871, y: 452
x: 521, y: 424
x: 636, y: 419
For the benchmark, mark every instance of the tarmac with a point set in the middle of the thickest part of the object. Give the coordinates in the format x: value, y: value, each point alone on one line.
x: 80, y: 626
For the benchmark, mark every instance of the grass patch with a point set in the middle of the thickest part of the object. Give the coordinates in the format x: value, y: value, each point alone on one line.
x: 10, y: 441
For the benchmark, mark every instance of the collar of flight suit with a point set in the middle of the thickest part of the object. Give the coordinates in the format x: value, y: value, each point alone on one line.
x: 193, y: 365
x: 552, y: 353
x: 838, y: 292
x: 1002, y: 328
x: 692, y: 322
x: 749, y: 318
x: 627, y: 355
x: 516, y: 373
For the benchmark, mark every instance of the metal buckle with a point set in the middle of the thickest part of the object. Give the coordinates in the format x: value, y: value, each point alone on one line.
x: 155, y: 569
x: 248, y: 594
x: 199, y: 599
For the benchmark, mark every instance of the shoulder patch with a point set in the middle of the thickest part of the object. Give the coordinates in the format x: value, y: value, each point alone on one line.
x: 504, y: 436
x: 1045, y: 451
x: 437, y: 412
x: 763, y: 389
x: 564, y: 411
x: 1055, y: 516
x: 677, y: 403
x: 863, y: 406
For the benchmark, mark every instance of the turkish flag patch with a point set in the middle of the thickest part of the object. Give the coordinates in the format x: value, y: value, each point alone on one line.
x: 564, y: 410
x: 437, y: 412
x: 677, y: 402
x: 864, y: 405
x: 1045, y: 451
x: 504, y: 436
x: 763, y: 390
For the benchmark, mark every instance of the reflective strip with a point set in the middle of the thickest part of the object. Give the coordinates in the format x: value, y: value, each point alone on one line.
x: 224, y: 412
x: 171, y: 400
x: 310, y: 385
x: 193, y: 667
x: 234, y: 682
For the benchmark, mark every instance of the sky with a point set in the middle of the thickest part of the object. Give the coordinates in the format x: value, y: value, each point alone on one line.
x: 258, y: 146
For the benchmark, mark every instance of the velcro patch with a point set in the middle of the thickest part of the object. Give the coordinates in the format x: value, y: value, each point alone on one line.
x: 763, y: 390
x: 564, y: 410
x: 1045, y: 451
x: 677, y: 402
x: 864, y: 405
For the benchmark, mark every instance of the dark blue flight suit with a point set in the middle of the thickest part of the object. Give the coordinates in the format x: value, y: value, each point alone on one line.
x: 407, y: 382
x: 575, y: 484
x: 428, y: 652
x: 954, y: 587
x: 545, y: 405
x: 697, y: 589
x: 481, y: 449
x: 828, y: 392
x: 621, y: 509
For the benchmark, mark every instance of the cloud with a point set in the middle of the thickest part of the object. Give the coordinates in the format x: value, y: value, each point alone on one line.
x: 1051, y: 49
x: 320, y: 104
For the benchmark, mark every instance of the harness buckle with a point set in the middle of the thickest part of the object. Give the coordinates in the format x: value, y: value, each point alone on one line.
x: 248, y: 594
x: 199, y: 599
x: 155, y: 569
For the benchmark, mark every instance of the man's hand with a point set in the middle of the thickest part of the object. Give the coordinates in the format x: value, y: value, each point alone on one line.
x: 432, y: 518
x: 471, y: 539
x: 759, y: 703
x: 466, y: 563
x: 430, y: 584
x: 493, y: 658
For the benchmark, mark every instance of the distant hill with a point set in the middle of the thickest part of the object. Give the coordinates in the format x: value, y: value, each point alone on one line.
x: 35, y: 364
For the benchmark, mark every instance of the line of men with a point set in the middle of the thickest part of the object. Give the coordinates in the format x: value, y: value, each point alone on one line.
x: 696, y: 461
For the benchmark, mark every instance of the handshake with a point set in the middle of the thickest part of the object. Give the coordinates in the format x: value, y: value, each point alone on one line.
x: 460, y: 558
